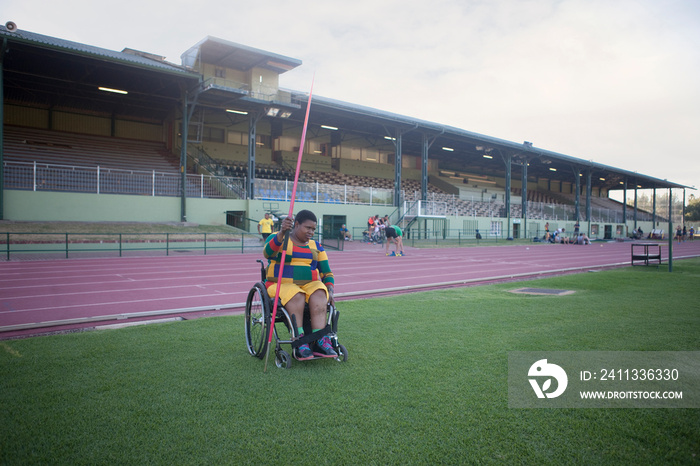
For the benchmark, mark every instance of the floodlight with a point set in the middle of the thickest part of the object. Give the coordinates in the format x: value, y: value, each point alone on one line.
x: 109, y: 89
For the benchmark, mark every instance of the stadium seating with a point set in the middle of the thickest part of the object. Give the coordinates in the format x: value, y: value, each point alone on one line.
x: 69, y: 149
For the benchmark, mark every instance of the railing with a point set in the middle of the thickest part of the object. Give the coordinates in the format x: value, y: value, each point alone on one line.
x: 39, y: 246
x: 425, y: 209
x: 276, y: 190
x: 267, y: 93
x: 100, y: 180
x: 456, y: 206
x: 221, y: 183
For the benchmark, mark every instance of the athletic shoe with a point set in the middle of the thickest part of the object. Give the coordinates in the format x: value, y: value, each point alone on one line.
x: 303, y: 353
x: 400, y: 254
x: 323, y: 348
x: 392, y: 254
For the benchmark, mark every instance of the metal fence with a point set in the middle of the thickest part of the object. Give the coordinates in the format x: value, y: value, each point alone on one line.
x: 40, y: 246
x: 493, y: 208
x: 281, y: 190
x: 51, y: 177
x: 101, y: 180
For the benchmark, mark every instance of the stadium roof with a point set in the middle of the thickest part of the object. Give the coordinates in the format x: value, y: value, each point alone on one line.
x: 465, y: 151
x: 127, y: 57
x: 54, y: 73
x: 46, y: 71
x: 236, y: 56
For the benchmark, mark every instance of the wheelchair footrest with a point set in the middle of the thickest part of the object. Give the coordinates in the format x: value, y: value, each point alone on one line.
x: 314, y: 358
x: 311, y: 337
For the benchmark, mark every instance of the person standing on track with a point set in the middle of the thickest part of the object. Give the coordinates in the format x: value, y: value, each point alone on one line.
x: 265, y: 226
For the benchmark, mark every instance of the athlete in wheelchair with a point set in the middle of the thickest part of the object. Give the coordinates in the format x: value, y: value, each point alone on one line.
x: 306, y: 308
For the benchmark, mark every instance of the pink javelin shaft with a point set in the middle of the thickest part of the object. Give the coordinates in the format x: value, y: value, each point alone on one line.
x: 291, y: 212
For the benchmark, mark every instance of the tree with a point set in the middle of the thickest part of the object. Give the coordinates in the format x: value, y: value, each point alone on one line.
x: 692, y: 210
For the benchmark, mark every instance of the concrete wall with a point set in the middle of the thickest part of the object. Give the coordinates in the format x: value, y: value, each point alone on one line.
x: 361, y: 168
x: 54, y: 206
x: 75, y: 207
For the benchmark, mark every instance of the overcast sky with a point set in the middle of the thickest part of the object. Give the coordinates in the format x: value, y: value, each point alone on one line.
x: 614, y: 81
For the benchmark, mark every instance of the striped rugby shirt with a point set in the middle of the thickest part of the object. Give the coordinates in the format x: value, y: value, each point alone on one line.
x: 302, y: 264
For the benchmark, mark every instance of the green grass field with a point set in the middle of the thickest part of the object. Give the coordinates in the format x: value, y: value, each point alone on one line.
x: 425, y: 383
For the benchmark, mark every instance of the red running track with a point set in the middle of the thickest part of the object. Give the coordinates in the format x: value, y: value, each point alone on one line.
x: 59, y: 294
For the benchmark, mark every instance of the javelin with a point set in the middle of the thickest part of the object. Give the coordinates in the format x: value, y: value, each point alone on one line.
x: 291, y: 212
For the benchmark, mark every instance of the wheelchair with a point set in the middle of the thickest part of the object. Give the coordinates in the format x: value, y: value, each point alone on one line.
x: 258, y: 314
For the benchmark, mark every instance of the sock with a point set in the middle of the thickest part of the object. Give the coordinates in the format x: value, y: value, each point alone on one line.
x: 318, y: 342
x: 316, y: 330
x: 300, y: 331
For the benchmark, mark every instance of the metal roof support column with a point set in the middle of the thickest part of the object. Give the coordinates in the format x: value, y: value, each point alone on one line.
x: 187, y: 111
x: 635, y: 204
x: 523, y: 197
x: 250, y: 179
x: 588, y: 200
x: 653, y: 210
x: 670, y: 230
x: 424, y: 168
x: 427, y: 142
x: 2, y: 133
x: 683, y: 209
x: 183, y: 157
x: 624, y: 204
x: 508, y: 161
x: 397, y: 170
x: 577, y: 206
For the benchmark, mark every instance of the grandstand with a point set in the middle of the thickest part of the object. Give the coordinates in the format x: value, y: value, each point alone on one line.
x: 68, y: 149
x: 217, y: 134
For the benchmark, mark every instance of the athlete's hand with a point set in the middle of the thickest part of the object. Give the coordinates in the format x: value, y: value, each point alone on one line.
x: 286, y: 225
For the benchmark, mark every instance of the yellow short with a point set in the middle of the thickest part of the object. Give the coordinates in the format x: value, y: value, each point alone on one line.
x: 289, y: 290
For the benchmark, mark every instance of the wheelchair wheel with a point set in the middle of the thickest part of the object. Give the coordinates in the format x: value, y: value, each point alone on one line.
x: 283, y: 360
x: 342, y: 354
x: 257, y: 320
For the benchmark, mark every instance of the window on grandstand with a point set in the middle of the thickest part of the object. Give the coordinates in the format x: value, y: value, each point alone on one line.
x: 287, y: 144
x: 220, y: 73
x: 496, y: 228
x: 212, y: 134
x: 236, y: 137
x: 263, y: 140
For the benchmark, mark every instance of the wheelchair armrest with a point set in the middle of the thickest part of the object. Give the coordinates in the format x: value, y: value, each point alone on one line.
x: 263, y: 271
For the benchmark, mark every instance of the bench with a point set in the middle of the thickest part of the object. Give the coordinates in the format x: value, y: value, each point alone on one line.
x: 646, y: 252
x: 656, y: 234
